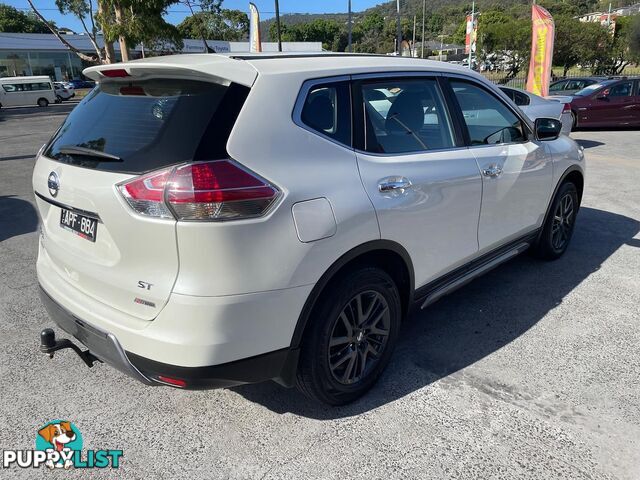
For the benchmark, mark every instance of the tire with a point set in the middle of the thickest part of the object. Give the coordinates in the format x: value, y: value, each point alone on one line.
x: 335, y: 374
x: 574, y: 121
x: 558, y: 227
x: 59, y: 99
x: 43, y: 102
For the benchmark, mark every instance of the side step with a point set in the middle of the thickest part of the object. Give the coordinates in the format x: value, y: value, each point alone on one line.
x: 474, y: 273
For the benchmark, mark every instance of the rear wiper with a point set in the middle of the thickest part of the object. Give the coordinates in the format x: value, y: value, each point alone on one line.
x: 88, y: 152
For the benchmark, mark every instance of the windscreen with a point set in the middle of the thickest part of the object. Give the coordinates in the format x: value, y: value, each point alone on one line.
x: 585, y: 92
x: 140, y: 126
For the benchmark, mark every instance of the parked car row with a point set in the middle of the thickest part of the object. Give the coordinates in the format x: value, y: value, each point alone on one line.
x: 535, y: 107
x: 584, y: 102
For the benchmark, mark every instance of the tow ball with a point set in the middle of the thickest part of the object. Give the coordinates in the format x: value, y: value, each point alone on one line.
x: 49, y: 345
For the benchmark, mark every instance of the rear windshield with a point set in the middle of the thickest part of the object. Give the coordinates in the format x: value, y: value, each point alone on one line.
x: 145, y: 125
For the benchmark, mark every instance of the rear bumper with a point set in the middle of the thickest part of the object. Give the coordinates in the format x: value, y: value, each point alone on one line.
x: 278, y: 365
x: 103, y: 345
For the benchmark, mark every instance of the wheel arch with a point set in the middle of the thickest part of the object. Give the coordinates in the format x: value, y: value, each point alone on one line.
x: 388, y: 255
x: 574, y: 174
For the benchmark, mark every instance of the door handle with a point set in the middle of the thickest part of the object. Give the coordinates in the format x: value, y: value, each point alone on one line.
x: 492, y: 171
x: 394, y: 185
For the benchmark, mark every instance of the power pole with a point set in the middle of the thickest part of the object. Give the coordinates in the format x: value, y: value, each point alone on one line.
x: 399, y: 29
x: 413, y: 42
x: 349, y: 26
x: 278, y: 26
x: 424, y: 5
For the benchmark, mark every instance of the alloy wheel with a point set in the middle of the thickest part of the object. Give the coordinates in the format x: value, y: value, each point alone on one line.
x: 562, y: 222
x: 359, y: 337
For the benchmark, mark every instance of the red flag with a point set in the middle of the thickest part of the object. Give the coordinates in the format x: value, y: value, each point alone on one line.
x: 543, y: 34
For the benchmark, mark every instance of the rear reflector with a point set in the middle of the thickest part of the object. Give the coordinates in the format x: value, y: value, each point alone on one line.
x: 176, y: 382
x: 207, y: 191
x: 115, y: 73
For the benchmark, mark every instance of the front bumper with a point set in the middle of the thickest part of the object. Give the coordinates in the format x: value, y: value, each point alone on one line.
x: 278, y: 365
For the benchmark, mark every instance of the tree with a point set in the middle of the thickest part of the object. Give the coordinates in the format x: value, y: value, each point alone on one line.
x: 138, y: 21
x: 128, y: 21
x: 619, y: 50
x: 319, y: 30
x: 577, y: 42
x: 228, y: 25
x: 508, y: 37
x: 634, y: 37
x: 13, y: 20
x: 76, y: 9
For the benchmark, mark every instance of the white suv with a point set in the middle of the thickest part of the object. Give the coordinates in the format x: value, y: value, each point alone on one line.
x: 214, y: 220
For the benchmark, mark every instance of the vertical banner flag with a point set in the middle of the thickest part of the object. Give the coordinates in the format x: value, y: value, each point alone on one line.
x: 471, y: 34
x: 254, y: 29
x: 541, y: 51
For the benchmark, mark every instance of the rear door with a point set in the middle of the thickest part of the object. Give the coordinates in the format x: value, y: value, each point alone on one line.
x: 516, y: 170
x: 621, y: 103
x: 423, y: 182
x: 93, y: 239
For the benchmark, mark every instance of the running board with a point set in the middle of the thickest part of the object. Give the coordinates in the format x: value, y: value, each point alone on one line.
x: 467, y: 277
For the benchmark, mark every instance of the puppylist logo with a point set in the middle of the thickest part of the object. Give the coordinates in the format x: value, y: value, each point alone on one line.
x: 59, y: 445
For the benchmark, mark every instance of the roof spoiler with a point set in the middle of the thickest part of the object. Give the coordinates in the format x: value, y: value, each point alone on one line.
x: 212, y: 68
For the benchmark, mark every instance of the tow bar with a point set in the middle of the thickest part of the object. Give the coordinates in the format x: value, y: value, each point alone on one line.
x: 49, y: 345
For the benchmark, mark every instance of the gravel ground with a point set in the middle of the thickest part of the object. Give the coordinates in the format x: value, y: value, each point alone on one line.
x: 529, y: 372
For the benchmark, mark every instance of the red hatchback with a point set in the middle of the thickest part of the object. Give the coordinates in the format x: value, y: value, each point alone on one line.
x: 608, y: 103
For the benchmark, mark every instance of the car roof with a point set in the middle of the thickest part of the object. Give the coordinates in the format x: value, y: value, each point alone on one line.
x: 341, y: 63
x: 244, y: 68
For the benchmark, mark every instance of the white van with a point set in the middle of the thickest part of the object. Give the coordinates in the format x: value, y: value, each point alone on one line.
x: 15, y: 91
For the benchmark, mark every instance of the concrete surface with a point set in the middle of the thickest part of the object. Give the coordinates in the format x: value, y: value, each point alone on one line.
x: 531, y: 372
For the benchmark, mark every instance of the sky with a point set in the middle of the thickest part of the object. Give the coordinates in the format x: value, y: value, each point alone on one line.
x: 177, y: 12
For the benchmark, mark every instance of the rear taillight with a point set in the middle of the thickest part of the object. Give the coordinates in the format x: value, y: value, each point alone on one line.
x: 566, y: 108
x: 207, y: 191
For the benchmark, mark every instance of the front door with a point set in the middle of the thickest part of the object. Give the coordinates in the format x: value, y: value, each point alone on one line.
x: 423, y: 182
x: 516, y: 170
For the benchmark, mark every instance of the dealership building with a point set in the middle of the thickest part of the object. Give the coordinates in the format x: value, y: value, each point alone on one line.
x: 43, y: 54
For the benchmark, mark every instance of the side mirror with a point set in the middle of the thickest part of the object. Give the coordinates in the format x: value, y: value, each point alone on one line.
x: 547, y: 128
x: 604, y: 95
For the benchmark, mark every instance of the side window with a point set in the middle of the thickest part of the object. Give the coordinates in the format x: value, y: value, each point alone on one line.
x: 405, y: 115
x: 521, y: 99
x: 556, y: 87
x: 575, y: 85
x: 327, y: 109
x: 509, y: 93
x: 9, y: 88
x: 488, y: 120
x: 621, y: 90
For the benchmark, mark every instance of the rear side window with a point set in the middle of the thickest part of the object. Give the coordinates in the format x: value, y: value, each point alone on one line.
x: 556, y: 87
x: 518, y: 98
x: 145, y: 125
x: 488, y: 120
x: 327, y: 110
x: 405, y: 115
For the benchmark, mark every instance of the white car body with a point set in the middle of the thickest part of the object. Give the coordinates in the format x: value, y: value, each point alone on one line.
x: 156, y: 292
x: 23, y: 91
x: 535, y: 106
x: 62, y: 91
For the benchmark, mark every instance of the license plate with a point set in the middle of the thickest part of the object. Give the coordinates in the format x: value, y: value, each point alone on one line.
x: 85, y: 227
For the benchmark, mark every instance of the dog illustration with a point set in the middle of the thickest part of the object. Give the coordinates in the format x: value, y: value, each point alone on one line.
x: 58, y: 435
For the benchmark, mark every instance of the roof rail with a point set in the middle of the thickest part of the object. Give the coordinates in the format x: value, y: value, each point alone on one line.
x: 309, y: 55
